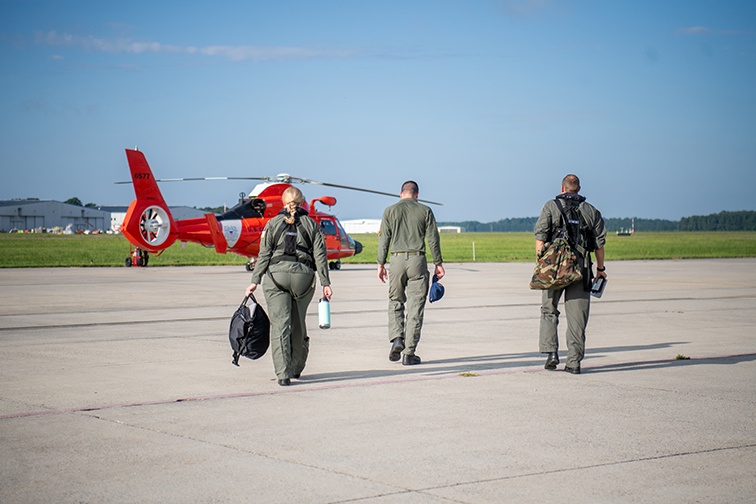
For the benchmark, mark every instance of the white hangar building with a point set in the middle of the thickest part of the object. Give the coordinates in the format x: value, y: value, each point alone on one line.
x: 34, y: 214
x: 358, y: 226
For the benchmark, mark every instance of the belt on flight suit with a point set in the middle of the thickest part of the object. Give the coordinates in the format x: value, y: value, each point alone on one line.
x: 285, y: 258
x: 408, y: 254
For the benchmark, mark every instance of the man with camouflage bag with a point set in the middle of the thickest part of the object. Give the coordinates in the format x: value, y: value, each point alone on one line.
x: 569, y: 214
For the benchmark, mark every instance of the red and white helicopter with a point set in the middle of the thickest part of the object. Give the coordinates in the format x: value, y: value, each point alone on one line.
x: 150, y: 227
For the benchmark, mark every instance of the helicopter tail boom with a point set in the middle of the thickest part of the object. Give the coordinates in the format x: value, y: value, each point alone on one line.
x: 148, y: 224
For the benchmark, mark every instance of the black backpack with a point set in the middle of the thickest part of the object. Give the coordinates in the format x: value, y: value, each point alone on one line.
x: 578, y: 234
x: 249, y: 333
x: 290, y: 234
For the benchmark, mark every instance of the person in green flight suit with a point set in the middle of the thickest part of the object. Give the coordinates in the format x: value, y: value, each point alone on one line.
x: 405, y: 226
x: 591, y: 237
x: 292, y: 248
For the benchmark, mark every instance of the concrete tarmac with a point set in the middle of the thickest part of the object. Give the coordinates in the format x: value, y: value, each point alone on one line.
x: 116, y: 385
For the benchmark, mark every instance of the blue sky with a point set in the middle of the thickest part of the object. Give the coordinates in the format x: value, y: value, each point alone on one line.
x: 487, y: 104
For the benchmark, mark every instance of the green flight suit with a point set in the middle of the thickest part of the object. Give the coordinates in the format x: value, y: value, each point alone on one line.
x: 577, y: 300
x: 405, y: 226
x: 289, y: 287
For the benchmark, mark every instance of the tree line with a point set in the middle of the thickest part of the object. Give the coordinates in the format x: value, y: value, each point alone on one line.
x: 723, y: 221
x: 744, y: 220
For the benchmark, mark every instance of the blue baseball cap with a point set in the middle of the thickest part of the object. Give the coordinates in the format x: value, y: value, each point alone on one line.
x: 436, y: 291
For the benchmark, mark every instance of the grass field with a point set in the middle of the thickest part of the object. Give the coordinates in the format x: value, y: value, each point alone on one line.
x: 44, y: 250
x: 520, y: 247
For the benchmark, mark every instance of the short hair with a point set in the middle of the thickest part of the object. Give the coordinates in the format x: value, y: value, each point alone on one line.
x: 571, y: 183
x: 410, y: 187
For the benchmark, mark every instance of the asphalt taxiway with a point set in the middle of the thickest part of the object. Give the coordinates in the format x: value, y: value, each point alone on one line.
x: 116, y: 385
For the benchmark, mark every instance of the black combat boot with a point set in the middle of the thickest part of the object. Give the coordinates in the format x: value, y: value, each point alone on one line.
x: 551, y: 361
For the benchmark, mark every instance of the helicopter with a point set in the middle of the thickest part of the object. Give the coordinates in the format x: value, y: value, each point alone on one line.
x: 150, y: 227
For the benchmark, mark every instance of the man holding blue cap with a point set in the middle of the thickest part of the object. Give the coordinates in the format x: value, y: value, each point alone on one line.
x: 405, y: 227
x: 436, y: 290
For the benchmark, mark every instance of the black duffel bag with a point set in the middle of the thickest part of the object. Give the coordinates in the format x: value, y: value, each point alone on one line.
x: 249, y: 333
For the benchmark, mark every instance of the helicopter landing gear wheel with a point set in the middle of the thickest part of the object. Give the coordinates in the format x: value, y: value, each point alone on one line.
x: 250, y: 266
x: 138, y: 257
x: 334, y: 265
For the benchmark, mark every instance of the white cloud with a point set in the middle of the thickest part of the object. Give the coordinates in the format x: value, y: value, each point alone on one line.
x: 233, y: 53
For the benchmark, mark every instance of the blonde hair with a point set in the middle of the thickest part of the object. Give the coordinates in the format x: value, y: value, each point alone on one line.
x: 292, y: 198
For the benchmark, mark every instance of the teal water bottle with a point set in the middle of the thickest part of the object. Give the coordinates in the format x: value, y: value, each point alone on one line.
x: 324, y: 313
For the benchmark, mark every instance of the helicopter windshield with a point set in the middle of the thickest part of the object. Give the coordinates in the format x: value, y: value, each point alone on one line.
x: 344, y: 235
x: 328, y: 227
x: 246, y: 209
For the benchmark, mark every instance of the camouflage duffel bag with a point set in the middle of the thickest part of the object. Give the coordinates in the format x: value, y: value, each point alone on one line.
x: 557, y: 266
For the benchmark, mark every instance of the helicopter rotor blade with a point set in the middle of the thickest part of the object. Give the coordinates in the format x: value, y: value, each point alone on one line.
x: 327, y: 184
x: 188, y: 179
x: 286, y: 179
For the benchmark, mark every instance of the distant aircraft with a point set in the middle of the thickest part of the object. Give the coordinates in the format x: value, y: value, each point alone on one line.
x: 627, y: 232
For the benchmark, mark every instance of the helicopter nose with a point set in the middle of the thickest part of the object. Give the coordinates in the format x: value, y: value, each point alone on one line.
x: 357, y: 247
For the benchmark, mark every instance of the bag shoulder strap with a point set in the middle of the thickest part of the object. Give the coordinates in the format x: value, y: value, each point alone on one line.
x: 563, y: 220
x: 577, y: 239
x: 278, y: 233
x: 307, y: 240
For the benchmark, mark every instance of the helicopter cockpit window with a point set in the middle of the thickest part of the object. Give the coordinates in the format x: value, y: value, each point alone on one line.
x: 341, y: 228
x: 329, y: 228
x: 345, y: 238
x: 248, y: 208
